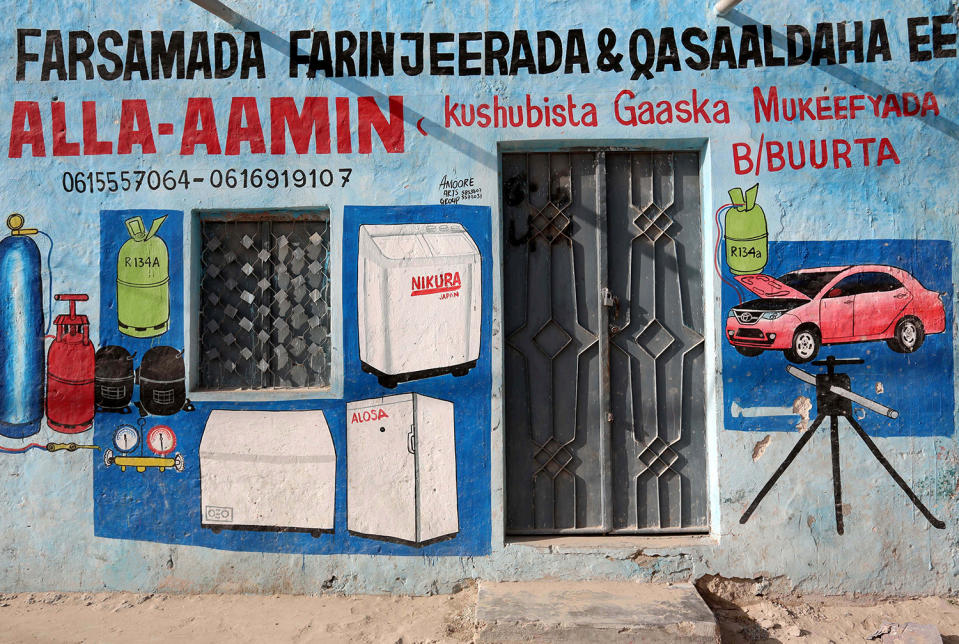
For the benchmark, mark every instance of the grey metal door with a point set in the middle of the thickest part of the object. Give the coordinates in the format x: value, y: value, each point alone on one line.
x: 603, y: 312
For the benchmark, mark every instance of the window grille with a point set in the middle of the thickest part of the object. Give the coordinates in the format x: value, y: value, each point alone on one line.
x: 264, y: 319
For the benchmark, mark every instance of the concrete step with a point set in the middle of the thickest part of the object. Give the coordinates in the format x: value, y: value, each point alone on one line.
x: 593, y: 611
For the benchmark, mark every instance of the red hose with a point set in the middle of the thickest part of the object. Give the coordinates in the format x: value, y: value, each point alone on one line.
x: 21, y: 450
x: 716, y: 254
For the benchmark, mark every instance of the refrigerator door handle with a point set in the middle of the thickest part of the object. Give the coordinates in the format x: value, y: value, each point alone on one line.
x: 409, y: 441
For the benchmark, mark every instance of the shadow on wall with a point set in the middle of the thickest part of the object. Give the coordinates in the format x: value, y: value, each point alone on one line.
x: 282, y: 45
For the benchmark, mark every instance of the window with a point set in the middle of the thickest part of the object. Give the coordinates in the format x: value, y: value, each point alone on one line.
x: 878, y: 283
x: 864, y: 283
x: 845, y: 287
x: 264, y: 318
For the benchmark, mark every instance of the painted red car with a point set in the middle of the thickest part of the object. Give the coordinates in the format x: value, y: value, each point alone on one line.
x: 805, y: 309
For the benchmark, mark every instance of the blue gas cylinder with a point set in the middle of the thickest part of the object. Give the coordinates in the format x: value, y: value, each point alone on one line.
x: 21, y: 332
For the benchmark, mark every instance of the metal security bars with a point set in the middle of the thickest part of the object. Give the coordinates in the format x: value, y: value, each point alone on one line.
x: 604, y: 314
x: 264, y: 319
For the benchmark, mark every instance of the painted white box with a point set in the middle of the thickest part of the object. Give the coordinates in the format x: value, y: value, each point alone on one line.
x: 401, y: 468
x: 267, y: 470
x: 418, y: 301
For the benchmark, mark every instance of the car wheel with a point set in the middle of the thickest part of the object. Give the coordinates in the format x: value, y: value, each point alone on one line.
x: 908, y: 336
x: 749, y: 352
x: 805, y: 345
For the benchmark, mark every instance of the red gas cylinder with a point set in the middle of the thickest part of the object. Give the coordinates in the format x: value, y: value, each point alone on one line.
x: 70, y: 371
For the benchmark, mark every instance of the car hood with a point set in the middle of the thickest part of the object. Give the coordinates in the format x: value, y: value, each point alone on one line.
x: 771, y: 304
x: 767, y: 286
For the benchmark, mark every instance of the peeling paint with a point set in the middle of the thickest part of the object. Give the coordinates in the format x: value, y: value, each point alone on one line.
x: 760, y: 447
x: 802, y: 406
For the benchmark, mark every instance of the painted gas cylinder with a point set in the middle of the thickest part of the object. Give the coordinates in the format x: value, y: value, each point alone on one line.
x: 70, y: 372
x: 747, y: 239
x: 143, y: 281
x: 21, y: 332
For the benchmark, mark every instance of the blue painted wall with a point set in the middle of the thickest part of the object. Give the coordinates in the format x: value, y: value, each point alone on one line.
x: 165, y: 506
x: 71, y: 524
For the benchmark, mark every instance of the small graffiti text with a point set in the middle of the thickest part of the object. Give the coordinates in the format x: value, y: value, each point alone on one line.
x: 456, y: 190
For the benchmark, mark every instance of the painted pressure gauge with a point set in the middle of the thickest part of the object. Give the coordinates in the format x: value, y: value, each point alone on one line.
x: 126, y: 438
x: 161, y: 440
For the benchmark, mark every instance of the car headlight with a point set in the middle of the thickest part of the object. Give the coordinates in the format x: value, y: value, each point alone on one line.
x: 772, y: 315
x: 731, y: 314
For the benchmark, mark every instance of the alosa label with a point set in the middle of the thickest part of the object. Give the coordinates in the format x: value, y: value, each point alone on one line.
x: 436, y: 283
x: 368, y: 415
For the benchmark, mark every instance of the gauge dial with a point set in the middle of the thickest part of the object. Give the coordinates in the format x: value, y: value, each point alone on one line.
x: 161, y: 440
x: 126, y: 438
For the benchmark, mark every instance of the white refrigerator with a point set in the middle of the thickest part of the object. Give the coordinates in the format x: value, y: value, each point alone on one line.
x: 401, y: 468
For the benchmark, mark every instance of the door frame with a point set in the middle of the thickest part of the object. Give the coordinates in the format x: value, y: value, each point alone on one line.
x: 711, y: 327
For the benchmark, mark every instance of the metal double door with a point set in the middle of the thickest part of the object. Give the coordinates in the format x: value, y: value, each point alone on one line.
x: 604, y: 350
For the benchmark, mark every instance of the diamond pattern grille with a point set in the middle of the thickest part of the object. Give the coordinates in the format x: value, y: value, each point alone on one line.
x: 605, y: 413
x: 265, y: 315
x: 549, y: 222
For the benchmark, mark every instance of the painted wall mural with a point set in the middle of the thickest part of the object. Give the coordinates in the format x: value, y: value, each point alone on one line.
x: 204, y: 332
x: 22, y: 363
x: 885, y: 301
x: 369, y: 472
x: 60, y: 387
x: 408, y: 272
x: 875, y: 308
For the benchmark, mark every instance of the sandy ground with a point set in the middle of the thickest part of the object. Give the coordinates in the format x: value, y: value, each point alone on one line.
x: 751, y: 611
x: 129, y: 618
x: 831, y: 620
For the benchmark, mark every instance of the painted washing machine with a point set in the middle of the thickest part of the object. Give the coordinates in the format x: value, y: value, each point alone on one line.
x: 418, y: 301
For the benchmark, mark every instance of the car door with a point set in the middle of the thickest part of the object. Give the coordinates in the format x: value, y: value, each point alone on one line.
x: 836, y: 309
x: 880, y: 300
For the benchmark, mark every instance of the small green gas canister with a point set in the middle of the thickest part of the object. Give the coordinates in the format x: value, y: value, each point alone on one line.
x: 143, y: 281
x: 747, y: 239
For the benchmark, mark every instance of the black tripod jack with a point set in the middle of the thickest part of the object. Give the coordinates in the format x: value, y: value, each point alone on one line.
x: 834, y: 398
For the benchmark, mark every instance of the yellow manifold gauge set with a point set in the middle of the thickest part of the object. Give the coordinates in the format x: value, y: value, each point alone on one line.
x: 127, y: 439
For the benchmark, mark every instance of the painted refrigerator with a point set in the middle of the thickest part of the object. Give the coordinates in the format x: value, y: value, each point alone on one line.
x: 418, y: 309
x: 267, y: 470
x: 401, y: 469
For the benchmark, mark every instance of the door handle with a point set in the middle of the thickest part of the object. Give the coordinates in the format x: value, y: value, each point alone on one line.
x: 409, y: 442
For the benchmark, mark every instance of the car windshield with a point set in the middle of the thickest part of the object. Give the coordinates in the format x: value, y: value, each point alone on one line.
x: 808, y: 283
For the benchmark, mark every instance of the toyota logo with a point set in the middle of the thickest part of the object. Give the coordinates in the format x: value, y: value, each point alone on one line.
x: 745, y: 317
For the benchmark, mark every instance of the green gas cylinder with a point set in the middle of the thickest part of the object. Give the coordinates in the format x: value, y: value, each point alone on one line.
x: 747, y: 240
x: 143, y: 281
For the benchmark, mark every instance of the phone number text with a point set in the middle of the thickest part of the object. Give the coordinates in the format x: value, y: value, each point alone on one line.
x: 231, y: 179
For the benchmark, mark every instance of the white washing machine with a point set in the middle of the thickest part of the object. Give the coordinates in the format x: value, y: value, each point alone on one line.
x: 419, y: 295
